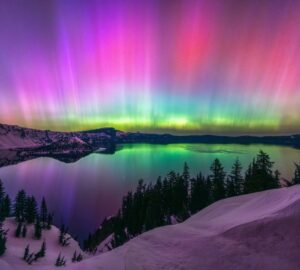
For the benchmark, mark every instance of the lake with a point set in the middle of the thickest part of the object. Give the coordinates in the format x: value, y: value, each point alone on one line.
x: 81, y: 194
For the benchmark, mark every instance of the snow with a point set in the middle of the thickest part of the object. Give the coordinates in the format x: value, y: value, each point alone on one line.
x: 14, y: 141
x: 173, y: 220
x: 105, y: 245
x: 76, y: 140
x: 12, y: 259
x: 13, y: 137
x: 100, y: 149
x: 255, y: 231
x: 18, y: 137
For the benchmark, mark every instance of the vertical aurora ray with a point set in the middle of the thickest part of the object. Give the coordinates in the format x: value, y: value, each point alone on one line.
x: 222, y: 66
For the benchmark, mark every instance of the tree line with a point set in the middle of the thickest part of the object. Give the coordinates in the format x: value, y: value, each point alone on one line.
x: 178, y: 195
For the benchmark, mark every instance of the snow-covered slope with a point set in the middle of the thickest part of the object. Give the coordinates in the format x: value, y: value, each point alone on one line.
x: 256, y: 231
x: 12, y: 259
x: 253, y: 232
x: 12, y: 137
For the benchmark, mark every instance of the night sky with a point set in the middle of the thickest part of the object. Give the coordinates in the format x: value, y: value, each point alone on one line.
x: 215, y: 66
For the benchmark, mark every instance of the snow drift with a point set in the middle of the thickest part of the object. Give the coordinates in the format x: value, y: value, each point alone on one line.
x: 255, y: 231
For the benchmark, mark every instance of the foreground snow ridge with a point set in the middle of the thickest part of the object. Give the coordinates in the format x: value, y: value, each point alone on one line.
x: 255, y: 231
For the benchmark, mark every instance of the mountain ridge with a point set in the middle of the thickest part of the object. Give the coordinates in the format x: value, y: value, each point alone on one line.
x: 118, y: 137
x: 18, y: 144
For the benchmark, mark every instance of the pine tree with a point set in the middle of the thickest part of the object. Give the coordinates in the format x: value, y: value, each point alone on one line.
x: 259, y: 175
x: 58, y: 261
x: 2, y: 217
x: 42, y: 251
x: 64, y: 240
x: 200, y: 194
x: 24, y: 231
x: 154, y: 216
x: 30, y: 258
x: 6, y: 205
x: 31, y: 209
x: 180, y: 198
x: 186, y: 171
x: 167, y: 199
x: 139, y: 208
x: 3, y: 212
x: 236, y: 178
x: 2, y: 196
x: 119, y: 236
x: 19, y: 229
x: 19, y: 207
x: 26, y: 253
x: 276, y: 179
x: 172, y: 179
x: 2, y: 192
x: 209, y: 187
x: 63, y: 261
x: 61, y: 234
x: 296, y: 179
x: 217, y: 177
x: 2, y: 240
x: 49, y: 221
x: 79, y: 257
x: 230, y: 188
x: 74, y: 258
x: 186, y: 177
x: 44, y: 213
x: 183, y: 190
x: 264, y: 162
x: 127, y: 213
x: 249, y: 185
x: 37, y: 228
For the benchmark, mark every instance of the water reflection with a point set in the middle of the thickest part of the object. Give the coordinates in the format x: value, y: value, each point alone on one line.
x: 82, y: 193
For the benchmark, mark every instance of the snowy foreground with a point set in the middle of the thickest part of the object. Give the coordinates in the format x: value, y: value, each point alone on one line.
x: 12, y: 259
x: 255, y: 231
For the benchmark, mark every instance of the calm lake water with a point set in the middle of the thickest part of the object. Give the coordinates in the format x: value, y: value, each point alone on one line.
x: 81, y: 194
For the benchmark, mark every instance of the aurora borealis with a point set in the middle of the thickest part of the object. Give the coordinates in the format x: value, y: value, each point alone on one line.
x: 215, y: 66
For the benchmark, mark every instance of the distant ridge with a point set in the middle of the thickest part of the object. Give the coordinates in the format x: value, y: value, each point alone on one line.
x: 12, y: 137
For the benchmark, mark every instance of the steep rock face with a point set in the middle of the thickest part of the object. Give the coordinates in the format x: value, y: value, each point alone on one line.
x: 256, y: 231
